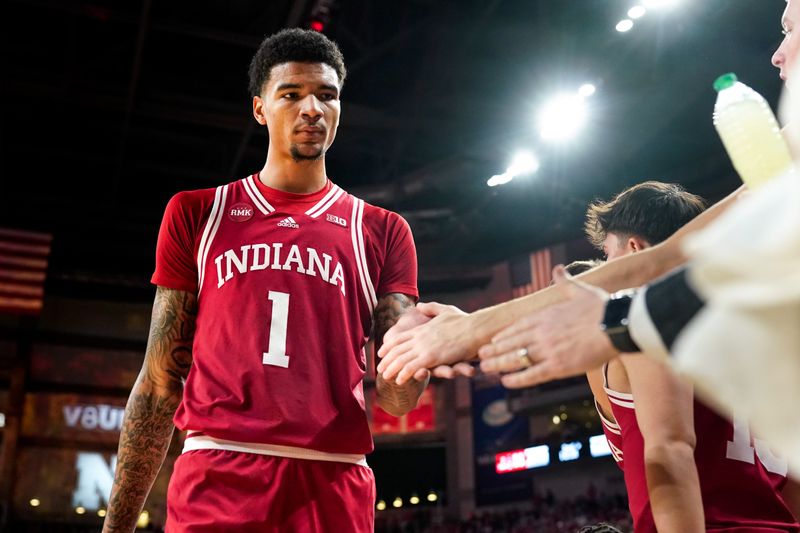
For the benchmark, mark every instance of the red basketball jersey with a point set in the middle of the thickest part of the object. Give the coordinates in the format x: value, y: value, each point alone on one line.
x: 740, y: 479
x: 286, y: 288
x: 613, y: 435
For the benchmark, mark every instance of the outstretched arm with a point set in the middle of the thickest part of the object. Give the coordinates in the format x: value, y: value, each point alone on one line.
x: 449, y: 338
x: 147, y: 426
x: 395, y: 399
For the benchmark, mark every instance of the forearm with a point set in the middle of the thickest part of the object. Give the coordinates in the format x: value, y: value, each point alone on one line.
x: 674, y: 488
x: 146, y: 433
x: 622, y: 273
x: 398, y: 400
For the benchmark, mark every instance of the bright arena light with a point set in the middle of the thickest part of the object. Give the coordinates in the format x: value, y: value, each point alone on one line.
x: 414, y: 500
x: 624, y: 25
x: 562, y: 117
x: 586, y: 90
x: 381, y: 505
x: 432, y: 497
x: 556, y: 419
x: 637, y: 12
x: 659, y: 4
x: 35, y: 502
x: 524, y: 162
x: 398, y: 502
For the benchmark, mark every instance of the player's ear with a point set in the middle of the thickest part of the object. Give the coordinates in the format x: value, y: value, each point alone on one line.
x: 636, y: 244
x: 258, y: 110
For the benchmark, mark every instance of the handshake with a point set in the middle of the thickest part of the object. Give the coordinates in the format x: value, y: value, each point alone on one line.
x: 554, y: 342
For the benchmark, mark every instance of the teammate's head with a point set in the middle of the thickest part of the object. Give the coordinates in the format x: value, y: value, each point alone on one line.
x: 579, y: 267
x: 599, y: 528
x: 295, y: 80
x: 640, y: 216
x: 786, y: 54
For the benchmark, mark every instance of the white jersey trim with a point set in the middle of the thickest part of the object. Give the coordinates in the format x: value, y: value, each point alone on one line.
x: 255, y: 195
x: 327, y: 201
x: 621, y: 403
x: 613, y: 427
x: 204, y: 442
x: 217, y: 211
x: 358, y: 248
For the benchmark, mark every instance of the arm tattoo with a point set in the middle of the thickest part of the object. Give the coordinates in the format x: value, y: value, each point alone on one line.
x: 394, y: 399
x: 147, y: 426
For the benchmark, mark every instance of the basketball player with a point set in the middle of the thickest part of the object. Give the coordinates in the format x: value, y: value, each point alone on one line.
x: 686, y: 468
x: 267, y: 289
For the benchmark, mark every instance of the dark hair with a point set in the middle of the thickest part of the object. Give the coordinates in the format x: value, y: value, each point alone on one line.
x: 651, y: 210
x: 302, y: 46
x: 579, y: 267
x: 599, y: 528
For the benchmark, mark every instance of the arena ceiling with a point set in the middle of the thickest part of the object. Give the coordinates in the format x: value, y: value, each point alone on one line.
x: 109, y: 108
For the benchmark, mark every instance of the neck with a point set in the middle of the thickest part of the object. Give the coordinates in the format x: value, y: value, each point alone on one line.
x: 299, y: 177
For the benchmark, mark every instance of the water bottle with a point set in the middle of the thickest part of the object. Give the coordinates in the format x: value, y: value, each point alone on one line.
x: 750, y: 132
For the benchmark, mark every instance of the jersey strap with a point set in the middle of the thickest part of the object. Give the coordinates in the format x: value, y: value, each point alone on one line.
x: 196, y: 441
x: 217, y: 211
x: 357, y: 234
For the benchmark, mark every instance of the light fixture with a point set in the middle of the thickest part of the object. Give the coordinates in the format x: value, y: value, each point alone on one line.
x: 144, y: 519
x: 80, y: 510
x: 563, y: 416
x: 637, y: 12
x: 556, y: 419
x: 562, y: 117
x: 586, y: 90
x: 624, y: 25
x: 524, y: 162
x: 101, y: 513
x: 381, y: 505
x: 398, y: 502
x: 659, y: 4
x: 432, y: 496
x: 413, y: 500
x: 35, y: 502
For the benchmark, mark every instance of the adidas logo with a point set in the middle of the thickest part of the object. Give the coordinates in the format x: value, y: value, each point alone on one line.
x: 288, y: 222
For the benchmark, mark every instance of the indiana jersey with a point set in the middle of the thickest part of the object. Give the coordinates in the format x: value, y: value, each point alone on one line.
x: 740, y: 479
x: 286, y: 287
x: 613, y: 436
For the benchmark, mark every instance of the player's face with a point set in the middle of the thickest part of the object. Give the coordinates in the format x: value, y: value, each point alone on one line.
x: 784, y: 57
x: 300, y: 106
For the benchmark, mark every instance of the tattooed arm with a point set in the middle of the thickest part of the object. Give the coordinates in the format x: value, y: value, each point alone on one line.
x: 147, y: 426
x: 395, y: 399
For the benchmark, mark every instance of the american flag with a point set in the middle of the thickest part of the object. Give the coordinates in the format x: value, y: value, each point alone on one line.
x: 531, y: 272
x: 23, y: 269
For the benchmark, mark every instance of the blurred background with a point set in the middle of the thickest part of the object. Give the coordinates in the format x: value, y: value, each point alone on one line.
x: 489, y: 125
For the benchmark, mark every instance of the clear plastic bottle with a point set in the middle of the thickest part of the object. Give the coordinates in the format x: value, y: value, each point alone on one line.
x: 750, y: 132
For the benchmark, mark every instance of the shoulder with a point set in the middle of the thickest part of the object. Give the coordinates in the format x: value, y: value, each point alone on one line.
x: 379, y: 218
x: 192, y: 201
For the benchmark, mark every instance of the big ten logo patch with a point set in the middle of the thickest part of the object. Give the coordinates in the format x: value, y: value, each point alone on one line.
x: 337, y: 220
x: 240, y: 212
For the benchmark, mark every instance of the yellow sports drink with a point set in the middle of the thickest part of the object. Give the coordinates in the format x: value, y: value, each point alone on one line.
x: 750, y: 132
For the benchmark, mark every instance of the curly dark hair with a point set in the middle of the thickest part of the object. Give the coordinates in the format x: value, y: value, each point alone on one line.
x: 295, y: 44
x: 651, y: 210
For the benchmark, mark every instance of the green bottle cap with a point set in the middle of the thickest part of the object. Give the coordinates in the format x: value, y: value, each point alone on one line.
x: 725, y: 81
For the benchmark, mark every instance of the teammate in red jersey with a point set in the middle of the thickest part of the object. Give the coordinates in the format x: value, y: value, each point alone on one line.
x: 686, y: 467
x: 267, y: 290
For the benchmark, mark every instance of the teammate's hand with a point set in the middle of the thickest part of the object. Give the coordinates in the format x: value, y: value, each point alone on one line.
x: 560, y: 341
x: 422, y: 314
x: 430, y: 345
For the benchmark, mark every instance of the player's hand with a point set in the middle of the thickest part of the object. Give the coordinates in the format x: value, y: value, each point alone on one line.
x: 427, y: 346
x: 560, y: 341
x: 415, y: 317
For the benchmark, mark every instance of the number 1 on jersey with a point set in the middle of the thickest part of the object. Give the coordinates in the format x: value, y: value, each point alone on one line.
x: 276, y: 352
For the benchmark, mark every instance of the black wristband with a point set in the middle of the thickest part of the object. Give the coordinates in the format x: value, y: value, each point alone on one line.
x: 615, y: 322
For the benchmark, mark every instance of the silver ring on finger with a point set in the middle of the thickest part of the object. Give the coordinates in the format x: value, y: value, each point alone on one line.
x: 524, y: 357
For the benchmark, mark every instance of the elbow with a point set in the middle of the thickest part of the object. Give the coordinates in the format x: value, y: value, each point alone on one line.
x: 667, y: 462
x: 394, y: 408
